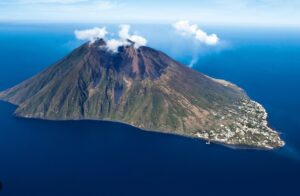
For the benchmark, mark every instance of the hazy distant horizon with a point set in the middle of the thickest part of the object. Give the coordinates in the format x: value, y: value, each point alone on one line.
x: 163, y: 23
x: 274, y: 13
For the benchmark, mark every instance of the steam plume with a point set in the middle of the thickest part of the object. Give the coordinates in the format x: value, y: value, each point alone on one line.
x: 124, y: 37
x: 91, y: 34
x: 185, y: 28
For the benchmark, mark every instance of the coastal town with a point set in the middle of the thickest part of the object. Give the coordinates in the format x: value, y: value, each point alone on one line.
x: 244, y: 126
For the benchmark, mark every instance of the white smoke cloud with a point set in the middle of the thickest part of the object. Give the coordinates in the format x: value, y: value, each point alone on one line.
x: 113, y: 45
x: 124, y: 39
x: 124, y: 36
x: 193, y: 61
x: 124, y: 31
x: 185, y: 28
x: 138, y: 41
x: 91, y: 34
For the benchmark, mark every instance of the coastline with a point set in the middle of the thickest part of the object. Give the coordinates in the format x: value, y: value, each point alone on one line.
x: 218, y: 142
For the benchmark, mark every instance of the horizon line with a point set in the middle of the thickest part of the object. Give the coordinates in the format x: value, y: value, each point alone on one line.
x: 150, y: 22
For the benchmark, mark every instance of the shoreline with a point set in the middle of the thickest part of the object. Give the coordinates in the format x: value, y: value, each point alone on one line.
x: 228, y: 145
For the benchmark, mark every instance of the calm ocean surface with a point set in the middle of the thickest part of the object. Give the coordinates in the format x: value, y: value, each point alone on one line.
x: 102, y: 158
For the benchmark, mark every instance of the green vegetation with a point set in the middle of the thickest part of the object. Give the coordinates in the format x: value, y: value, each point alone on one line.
x: 147, y: 89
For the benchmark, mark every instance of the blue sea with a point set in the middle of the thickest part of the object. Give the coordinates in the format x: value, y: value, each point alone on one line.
x: 46, y: 158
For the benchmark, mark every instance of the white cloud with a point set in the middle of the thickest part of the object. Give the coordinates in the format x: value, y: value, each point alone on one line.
x: 185, y: 28
x: 91, y: 34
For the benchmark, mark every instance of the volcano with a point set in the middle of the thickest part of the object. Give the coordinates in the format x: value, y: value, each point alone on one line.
x: 145, y: 88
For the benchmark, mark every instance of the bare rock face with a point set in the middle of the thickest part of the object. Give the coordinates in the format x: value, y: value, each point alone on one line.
x: 147, y: 89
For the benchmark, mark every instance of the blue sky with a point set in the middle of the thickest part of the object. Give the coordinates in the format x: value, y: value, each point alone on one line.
x: 215, y: 12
